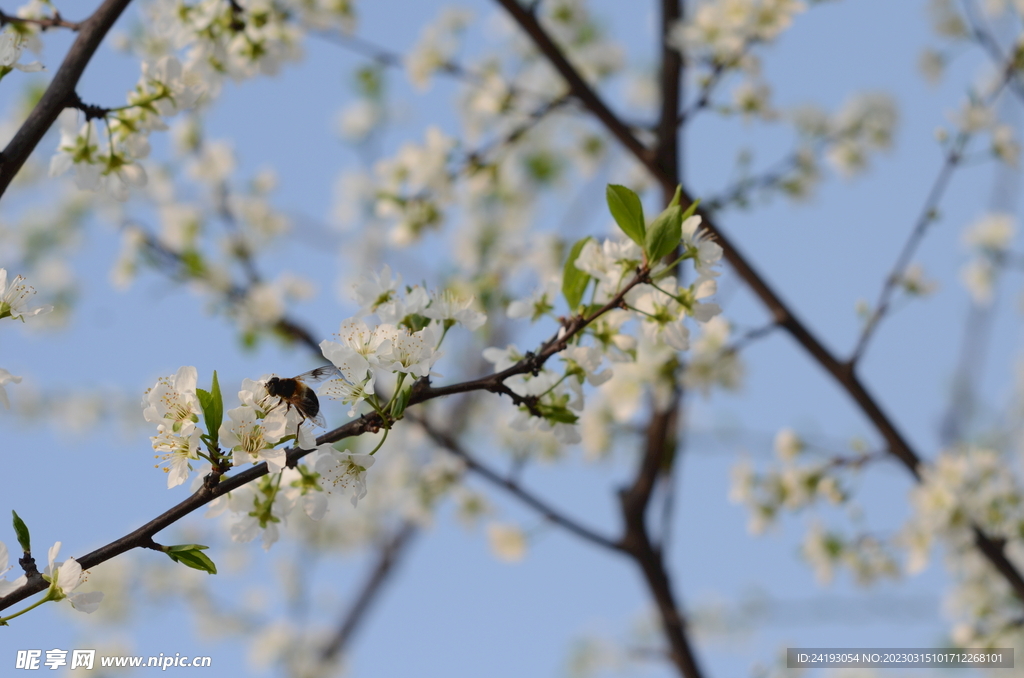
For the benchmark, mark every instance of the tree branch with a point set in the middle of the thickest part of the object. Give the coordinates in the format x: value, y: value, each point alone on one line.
x: 579, y: 88
x: 61, y: 92
x: 217, y: 486
x: 513, y: 488
x: 780, y: 311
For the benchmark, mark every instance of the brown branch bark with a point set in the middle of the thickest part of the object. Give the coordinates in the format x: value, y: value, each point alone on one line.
x: 663, y: 428
x: 840, y: 371
x: 61, y: 92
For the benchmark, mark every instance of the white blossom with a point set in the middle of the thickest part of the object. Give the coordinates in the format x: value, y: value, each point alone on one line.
x: 251, y: 438
x: 14, y: 296
x: 447, y: 305
x: 177, y: 449
x: 507, y: 541
x: 343, y: 471
x: 11, y: 44
x: 173, y: 402
x: 64, y: 578
x: 6, y: 377
x: 8, y: 586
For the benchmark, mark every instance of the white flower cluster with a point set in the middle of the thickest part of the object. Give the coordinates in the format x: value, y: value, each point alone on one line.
x: 216, y: 39
x: 988, y: 238
x: 405, y: 343
x: 234, y: 39
x: 367, y: 360
x: 864, y: 125
x: 965, y: 488
x: 110, y: 163
x: 969, y: 487
x: 251, y: 432
x: 557, y: 399
x: 711, y: 362
x: 173, y: 405
x: 867, y: 558
x: 655, y: 309
x: 415, y: 186
x: 661, y: 306
x: 722, y: 31
x: 259, y: 508
x: 792, y: 486
x: 437, y: 46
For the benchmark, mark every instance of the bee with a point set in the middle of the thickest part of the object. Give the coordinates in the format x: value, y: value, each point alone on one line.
x: 294, y: 392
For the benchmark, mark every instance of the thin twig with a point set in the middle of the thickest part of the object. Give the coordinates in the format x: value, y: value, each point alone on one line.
x: 512, y: 487
x: 718, y: 71
x: 770, y: 178
x: 44, y: 24
x: 928, y: 216
x: 749, y: 337
x: 983, y: 36
x: 476, y: 156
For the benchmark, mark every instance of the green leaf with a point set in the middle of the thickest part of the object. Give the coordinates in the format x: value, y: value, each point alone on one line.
x: 664, y: 234
x: 218, y: 408
x: 625, y: 207
x: 691, y: 209
x: 401, y: 402
x: 675, y: 198
x: 558, y: 414
x: 574, y: 281
x: 213, y: 408
x: 191, y: 555
x: 21, y: 530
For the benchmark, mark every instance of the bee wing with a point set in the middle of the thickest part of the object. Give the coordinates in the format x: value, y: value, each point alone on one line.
x: 319, y: 420
x: 319, y: 374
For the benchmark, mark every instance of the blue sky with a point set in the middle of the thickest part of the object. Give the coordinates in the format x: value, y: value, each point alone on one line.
x: 453, y: 610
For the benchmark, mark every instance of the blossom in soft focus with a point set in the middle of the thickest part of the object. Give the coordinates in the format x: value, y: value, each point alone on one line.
x: 5, y: 377
x: 507, y: 541
x: 8, y: 586
x: 11, y: 44
x: 64, y: 578
x: 788, y: 444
